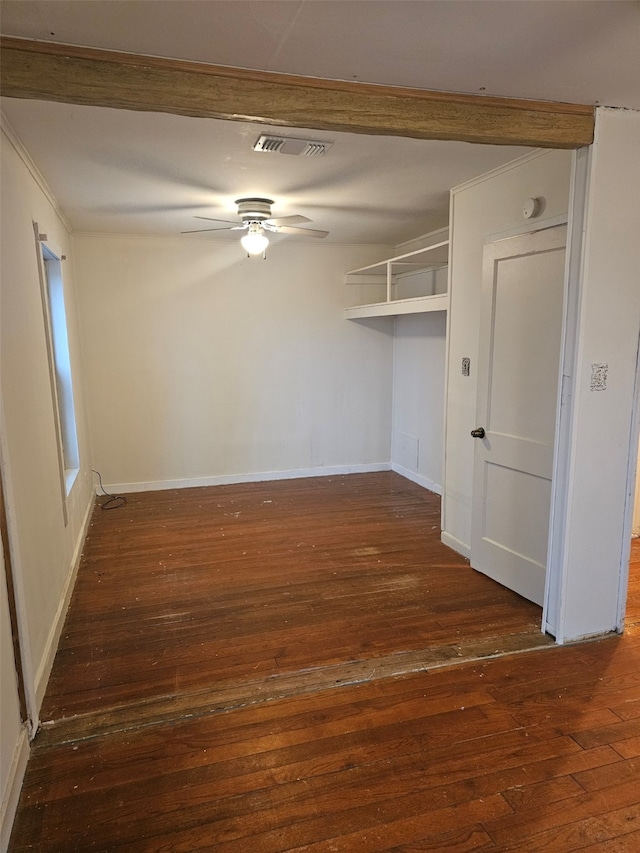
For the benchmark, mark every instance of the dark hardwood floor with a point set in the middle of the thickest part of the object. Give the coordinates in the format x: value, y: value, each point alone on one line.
x: 229, y: 595
x: 261, y: 668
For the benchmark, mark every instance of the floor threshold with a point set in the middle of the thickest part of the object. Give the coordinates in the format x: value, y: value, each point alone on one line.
x: 235, y: 694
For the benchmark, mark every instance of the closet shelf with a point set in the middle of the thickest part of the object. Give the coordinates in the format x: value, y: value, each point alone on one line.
x: 402, y: 273
x: 415, y: 305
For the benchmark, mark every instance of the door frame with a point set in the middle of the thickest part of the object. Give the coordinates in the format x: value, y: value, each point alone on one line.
x: 14, y: 622
x: 15, y: 584
x: 559, y: 562
x: 560, y: 487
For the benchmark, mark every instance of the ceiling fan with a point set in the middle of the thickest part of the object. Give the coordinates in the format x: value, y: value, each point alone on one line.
x: 255, y: 214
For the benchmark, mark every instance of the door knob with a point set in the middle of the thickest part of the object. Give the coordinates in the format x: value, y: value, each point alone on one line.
x: 478, y: 432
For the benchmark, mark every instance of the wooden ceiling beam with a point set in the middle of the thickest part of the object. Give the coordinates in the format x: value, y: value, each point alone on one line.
x: 103, y: 78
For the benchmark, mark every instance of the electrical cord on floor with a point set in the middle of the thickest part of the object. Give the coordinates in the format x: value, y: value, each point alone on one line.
x: 114, y: 501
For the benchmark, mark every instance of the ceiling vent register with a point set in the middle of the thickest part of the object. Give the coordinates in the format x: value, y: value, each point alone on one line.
x: 289, y: 145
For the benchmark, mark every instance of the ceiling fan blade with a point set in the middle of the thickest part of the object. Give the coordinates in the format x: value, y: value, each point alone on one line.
x: 211, y: 219
x: 288, y: 220
x: 206, y: 230
x: 300, y: 232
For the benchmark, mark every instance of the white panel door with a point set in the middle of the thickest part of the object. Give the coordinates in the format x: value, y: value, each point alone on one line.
x: 518, y: 369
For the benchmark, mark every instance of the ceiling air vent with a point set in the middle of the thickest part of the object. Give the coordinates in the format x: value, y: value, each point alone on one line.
x: 288, y: 145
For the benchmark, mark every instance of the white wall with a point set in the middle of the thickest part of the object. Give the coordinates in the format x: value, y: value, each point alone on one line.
x: 488, y: 206
x: 418, y: 398
x: 419, y: 357
x: 597, y: 516
x: 206, y: 366
x: 44, y: 550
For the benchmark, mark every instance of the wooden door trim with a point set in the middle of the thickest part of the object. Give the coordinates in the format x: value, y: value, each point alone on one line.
x: 104, y: 78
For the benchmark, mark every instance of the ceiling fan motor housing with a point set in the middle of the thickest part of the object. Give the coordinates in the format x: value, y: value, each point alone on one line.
x: 254, y: 209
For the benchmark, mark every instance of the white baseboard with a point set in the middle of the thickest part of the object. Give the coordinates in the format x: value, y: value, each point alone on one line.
x: 233, y: 479
x: 456, y: 544
x: 14, y: 786
x: 417, y: 478
x: 51, y: 646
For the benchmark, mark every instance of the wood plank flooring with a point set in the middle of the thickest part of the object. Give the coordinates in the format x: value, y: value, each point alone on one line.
x: 528, y: 752
x: 217, y: 597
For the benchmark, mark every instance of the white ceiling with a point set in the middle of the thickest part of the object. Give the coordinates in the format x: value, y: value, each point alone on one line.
x: 124, y: 172
x: 118, y: 171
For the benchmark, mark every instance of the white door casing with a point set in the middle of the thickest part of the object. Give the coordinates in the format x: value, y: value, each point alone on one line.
x: 518, y: 371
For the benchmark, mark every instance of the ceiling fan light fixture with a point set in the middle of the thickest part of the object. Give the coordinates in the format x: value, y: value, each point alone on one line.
x: 254, y: 241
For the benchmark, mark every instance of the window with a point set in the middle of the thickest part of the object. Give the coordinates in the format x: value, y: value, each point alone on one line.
x: 53, y: 299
